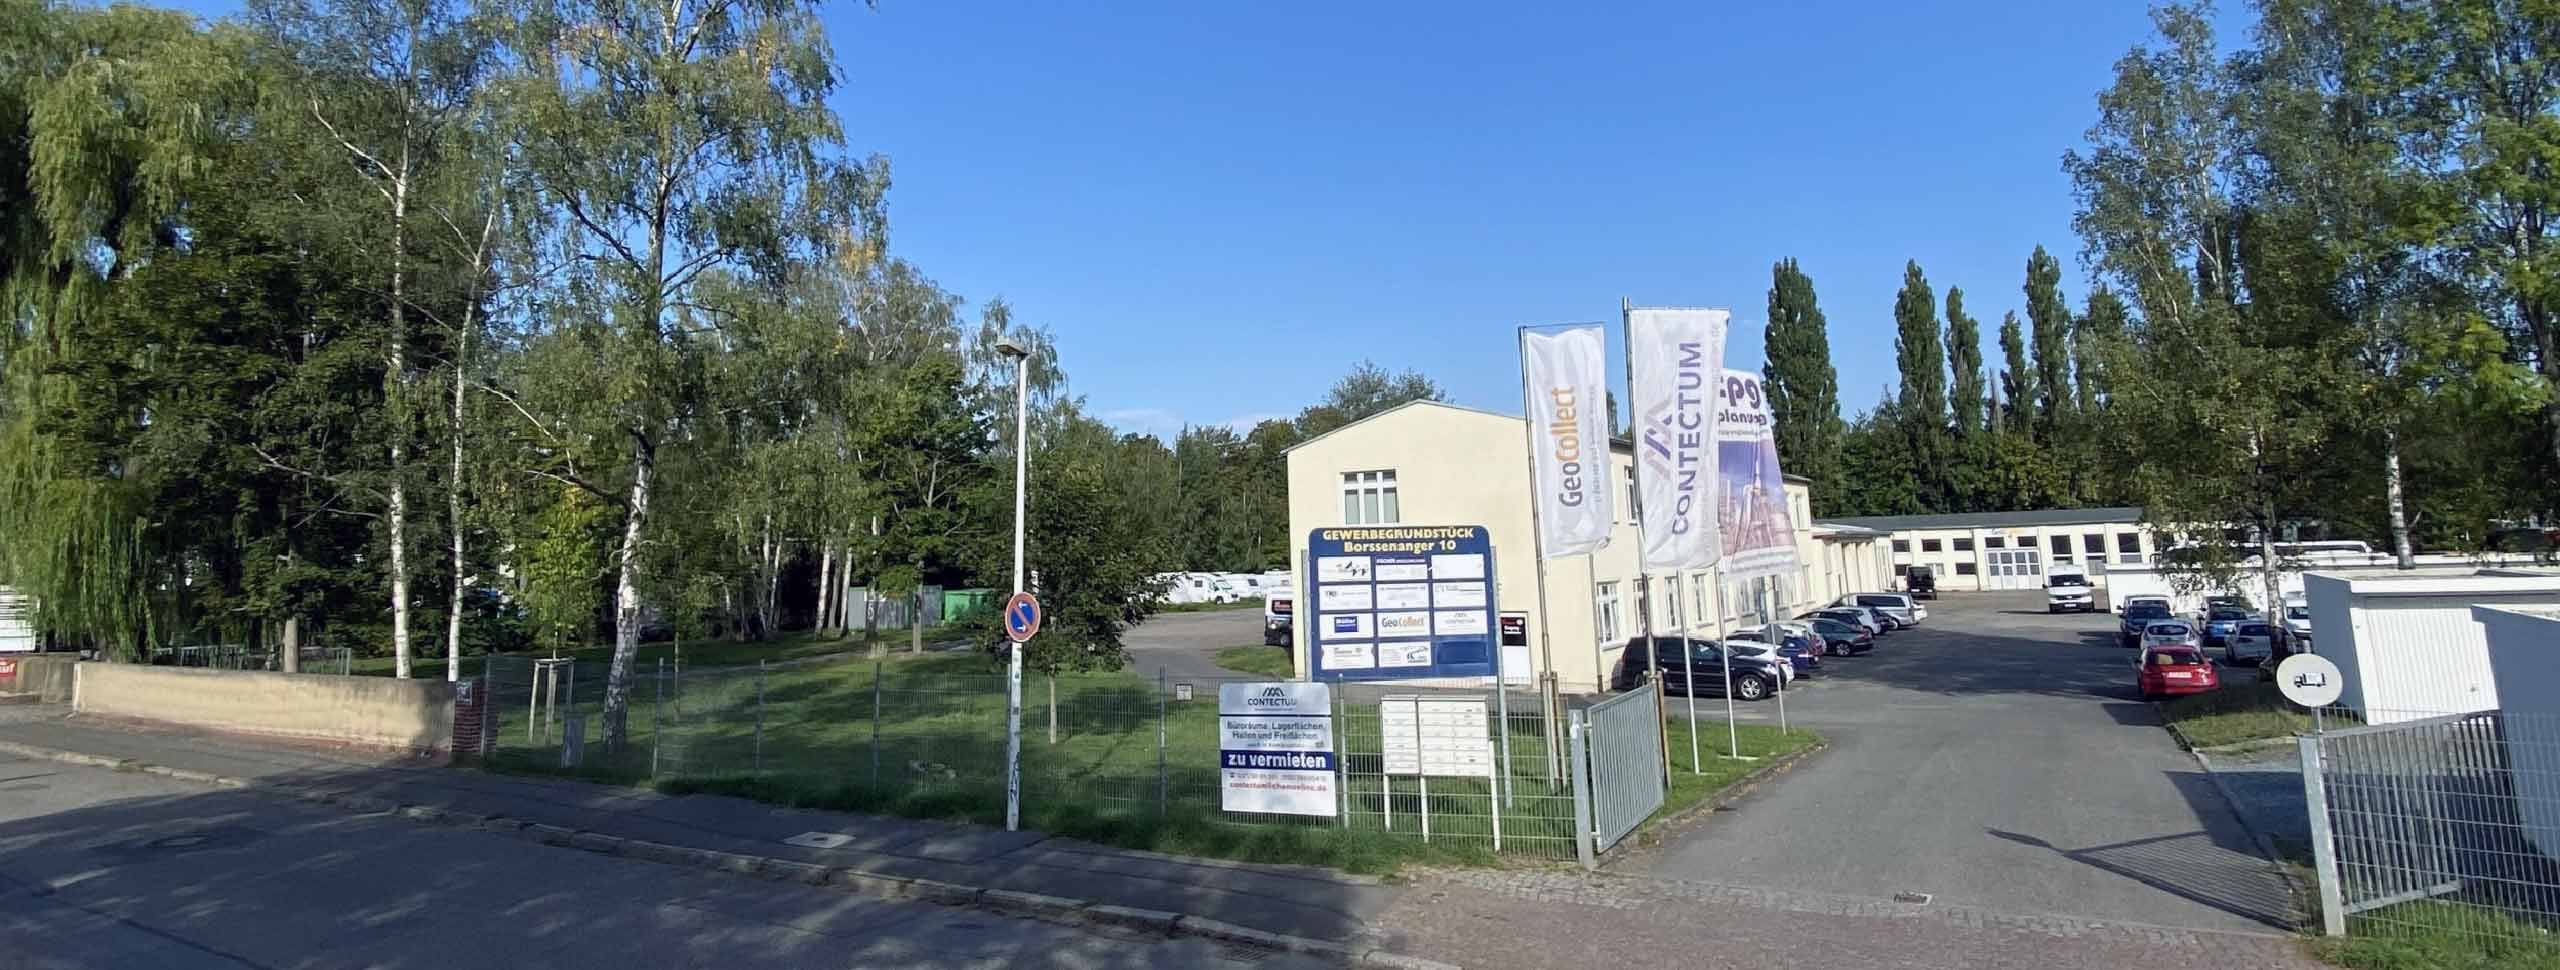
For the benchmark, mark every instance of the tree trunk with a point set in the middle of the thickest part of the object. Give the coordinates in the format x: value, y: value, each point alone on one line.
x: 626, y: 598
x: 395, y: 386
x: 2391, y: 494
x: 826, y: 571
x: 453, y: 505
x: 915, y: 626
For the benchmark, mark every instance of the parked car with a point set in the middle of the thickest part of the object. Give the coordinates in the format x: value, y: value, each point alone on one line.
x: 1841, y: 639
x: 1898, y: 607
x: 2127, y: 603
x: 1796, y: 641
x: 2220, y: 620
x: 1279, y: 611
x: 1745, y: 648
x: 2171, y: 633
x: 2174, y: 670
x: 1921, y: 582
x: 2252, y: 643
x: 2138, y: 614
x: 1752, y: 679
x: 1860, y: 616
x: 2066, y: 588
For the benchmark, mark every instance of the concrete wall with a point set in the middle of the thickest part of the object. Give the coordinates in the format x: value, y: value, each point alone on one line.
x: 376, y: 712
x: 46, y: 675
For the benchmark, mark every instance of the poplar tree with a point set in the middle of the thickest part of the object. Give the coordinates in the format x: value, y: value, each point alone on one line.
x: 1802, y: 387
x: 1923, y: 402
x: 1964, y: 361
x: 2018, y: 390
x: 2050, y: 320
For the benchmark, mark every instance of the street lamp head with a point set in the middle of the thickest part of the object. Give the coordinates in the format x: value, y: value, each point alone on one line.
x: 1011, y: 350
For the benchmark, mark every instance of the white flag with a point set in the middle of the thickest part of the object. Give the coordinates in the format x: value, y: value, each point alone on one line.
x: 1675, y: 362
x: 1751, y: 506
x: 1564, y: 375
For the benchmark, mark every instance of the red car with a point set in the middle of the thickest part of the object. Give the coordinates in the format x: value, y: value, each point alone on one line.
x: 2175, y: 670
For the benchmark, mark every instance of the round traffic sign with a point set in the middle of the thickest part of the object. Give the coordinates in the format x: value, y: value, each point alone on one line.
x: 2310, y: 680
x: 1021, y: 617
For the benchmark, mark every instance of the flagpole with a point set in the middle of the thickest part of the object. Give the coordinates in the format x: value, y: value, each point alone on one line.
x: 1538, y: 545
x: 1732, y: 735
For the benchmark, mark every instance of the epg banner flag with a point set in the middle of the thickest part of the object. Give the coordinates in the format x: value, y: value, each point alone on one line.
x: 1751, y: 492
x: 1675, y: 364
x: 1564, y: 375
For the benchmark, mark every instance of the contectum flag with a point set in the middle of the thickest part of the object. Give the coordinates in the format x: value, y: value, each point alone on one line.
x: 1751, y: 492
x: 1675, y: 360
x: 1564, y: 375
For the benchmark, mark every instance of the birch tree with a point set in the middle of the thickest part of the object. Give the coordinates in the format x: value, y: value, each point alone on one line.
x: 673, y: 140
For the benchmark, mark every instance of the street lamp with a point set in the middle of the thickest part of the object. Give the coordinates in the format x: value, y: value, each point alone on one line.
x: 1013, y: 663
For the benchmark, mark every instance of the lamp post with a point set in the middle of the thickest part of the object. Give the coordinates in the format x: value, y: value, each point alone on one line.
x: 1013, y: 664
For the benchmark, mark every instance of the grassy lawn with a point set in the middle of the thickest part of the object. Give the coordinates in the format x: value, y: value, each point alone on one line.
x: 1714, y: 770
x: 714, y: 652
x: 1258, y: 660
x: 2249, y: 710
x: 2435, y: 935
x: 936, y: 750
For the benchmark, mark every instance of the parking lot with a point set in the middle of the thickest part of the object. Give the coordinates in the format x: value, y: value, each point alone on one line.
x: 1997, y: 757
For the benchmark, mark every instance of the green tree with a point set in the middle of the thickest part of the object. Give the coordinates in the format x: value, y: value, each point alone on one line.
x: 2050, y: 320
x: 2017, y: 380
x: 1875, y: 459
x: 1922, y: 405
x: 671, y: 141
x: 1367, y: 390
x: 1803, y: 389
x: 1964, y: 361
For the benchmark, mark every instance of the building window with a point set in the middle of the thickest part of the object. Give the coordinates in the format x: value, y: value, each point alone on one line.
x: 1369, y: 498
x: 1698, y: 595
x: 2129, y: 547
x: 2094, y: 544
x: 1993, y: 542
x: 1900, y: 570
x: 1902, y: 545
x: 1627, y: 493
x: 2062, y: 548
x: 1928, y: 545
x: 1965, y: 543
x: 1666, y: 609
x: 1604, y: 611
x: 1964, y: 569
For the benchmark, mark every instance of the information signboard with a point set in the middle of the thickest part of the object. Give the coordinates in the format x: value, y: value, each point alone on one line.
x: 1275, y: 749
x: 1434, y: 736
x: 1401, y: 602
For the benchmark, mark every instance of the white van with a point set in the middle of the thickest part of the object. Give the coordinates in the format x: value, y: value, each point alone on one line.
x: 2067, y: 588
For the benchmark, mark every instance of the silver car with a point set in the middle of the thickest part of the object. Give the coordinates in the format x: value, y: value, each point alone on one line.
x: 2172, y: 633
x: 1900, y: 608
x: 2251, y: 643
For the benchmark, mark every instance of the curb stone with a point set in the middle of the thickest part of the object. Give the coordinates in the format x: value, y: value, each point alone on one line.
x: 874, y: 885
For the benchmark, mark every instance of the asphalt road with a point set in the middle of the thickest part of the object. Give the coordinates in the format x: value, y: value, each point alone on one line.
x: 1996, y: 757
x: 101, y: 869
x: 1184, y: 646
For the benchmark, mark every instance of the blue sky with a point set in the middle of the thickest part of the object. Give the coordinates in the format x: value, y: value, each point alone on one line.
x: 1219, y: 207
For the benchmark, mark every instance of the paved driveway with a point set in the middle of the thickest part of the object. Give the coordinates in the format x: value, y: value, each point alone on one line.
x: 1184, y: 646
x: 1997, y: 758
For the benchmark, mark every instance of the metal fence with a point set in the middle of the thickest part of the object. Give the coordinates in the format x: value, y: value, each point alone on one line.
x: 1622, y: 739
x: 897, y: 737
x: 2444, y: 825
x: 230, y: 656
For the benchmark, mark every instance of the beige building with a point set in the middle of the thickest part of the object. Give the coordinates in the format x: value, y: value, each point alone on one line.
x: 1971, y: 551
x: 1432, y: 464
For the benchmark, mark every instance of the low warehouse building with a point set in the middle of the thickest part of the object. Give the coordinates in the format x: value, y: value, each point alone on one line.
x: 2524, y: 653
x: 2408, y: 641
x: 1433, y: 464
x: 1973, y: 551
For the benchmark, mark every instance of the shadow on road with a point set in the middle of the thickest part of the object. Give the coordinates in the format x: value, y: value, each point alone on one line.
x: 2196, y: 866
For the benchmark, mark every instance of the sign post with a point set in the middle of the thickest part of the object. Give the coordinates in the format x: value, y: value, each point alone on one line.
x: 1400, y: 603
x: 1021, y: 620
x: 1444, y: 735
x: 2312, y: 681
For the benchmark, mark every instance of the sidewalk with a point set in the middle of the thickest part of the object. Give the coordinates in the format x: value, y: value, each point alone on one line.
x: 1308, y: 903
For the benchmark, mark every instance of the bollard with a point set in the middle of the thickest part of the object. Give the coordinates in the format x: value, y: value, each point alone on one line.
x: 1164, y: 794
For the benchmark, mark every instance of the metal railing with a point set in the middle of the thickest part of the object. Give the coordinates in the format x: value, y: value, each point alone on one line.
x: 894, y: 737
x: 2437, y: 825
x: 1623, y: 741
